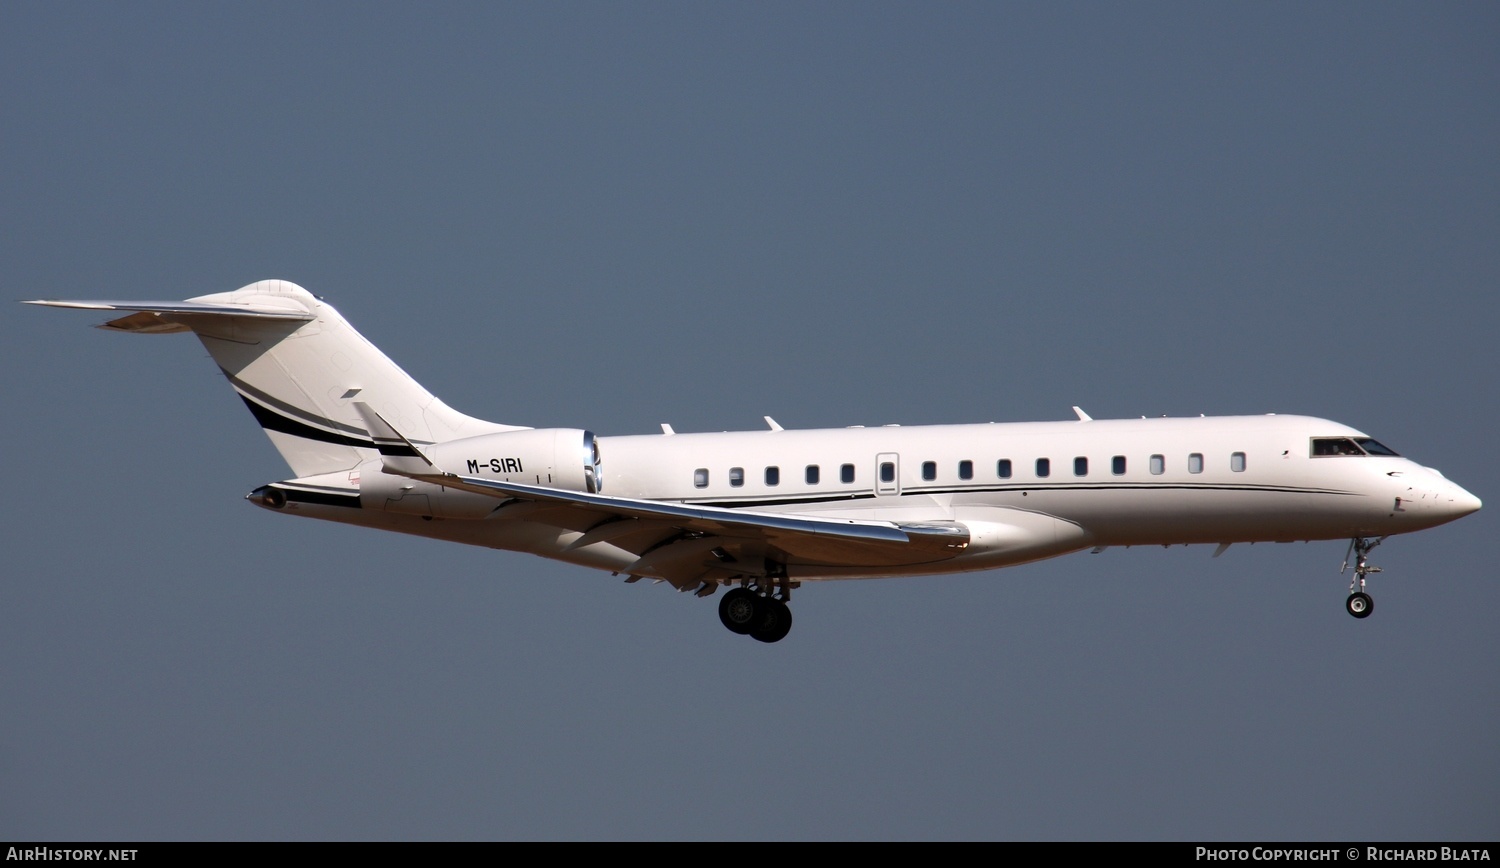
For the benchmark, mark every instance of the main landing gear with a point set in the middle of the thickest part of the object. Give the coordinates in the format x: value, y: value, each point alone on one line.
x: 1359, y: 603
x: 751, y: 611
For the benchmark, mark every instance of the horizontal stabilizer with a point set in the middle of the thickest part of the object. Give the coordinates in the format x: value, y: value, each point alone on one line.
x: 289, y: 311
x: 160, y: 317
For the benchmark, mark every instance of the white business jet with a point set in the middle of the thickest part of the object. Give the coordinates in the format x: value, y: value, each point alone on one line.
x: 760, y: 512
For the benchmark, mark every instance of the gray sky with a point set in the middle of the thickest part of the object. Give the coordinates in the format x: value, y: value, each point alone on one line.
x: 616, y: 215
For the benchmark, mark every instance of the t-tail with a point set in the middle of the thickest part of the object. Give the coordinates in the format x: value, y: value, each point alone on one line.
x: 301, y: 369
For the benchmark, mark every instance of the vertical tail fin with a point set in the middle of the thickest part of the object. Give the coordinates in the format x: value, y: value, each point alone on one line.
x: 300, y: 368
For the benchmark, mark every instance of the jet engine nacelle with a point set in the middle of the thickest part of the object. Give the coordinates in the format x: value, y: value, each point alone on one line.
x: 566, y: 458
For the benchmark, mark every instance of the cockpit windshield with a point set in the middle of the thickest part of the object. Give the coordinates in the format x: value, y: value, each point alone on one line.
x: 1323, y: 446
x: 1375, y: 447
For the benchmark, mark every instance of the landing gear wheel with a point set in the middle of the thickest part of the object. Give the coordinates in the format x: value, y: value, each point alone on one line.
x: 1359, y: 603
x: 774, y: 623
x: 739, y: 610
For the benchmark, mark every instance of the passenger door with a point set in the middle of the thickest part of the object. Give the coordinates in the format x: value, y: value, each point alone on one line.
x: 887, y: 474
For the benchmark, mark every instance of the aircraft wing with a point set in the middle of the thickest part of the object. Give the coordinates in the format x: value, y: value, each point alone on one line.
x: 686, y: 544
x: 711, y: 519
x: 697, y: 537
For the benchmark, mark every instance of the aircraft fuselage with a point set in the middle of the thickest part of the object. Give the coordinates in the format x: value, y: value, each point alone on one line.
x: 760, y: 511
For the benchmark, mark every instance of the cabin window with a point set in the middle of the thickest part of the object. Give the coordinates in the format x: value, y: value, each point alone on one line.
x: 929, y: 470
x: 773, y: 476
x: 736, y: 476
x: 965, y: 470
x: 812, y: 474
x: 1002, y: 468
x: 846, y: 473
x: 1117, y: 465
x: 1158, y: 465
x: 1080, y: 466
x: 700, y: 477
x: 1043, y: 468
x: 1237, y: 462
x: 887, y: 471
x: 1195, y: 463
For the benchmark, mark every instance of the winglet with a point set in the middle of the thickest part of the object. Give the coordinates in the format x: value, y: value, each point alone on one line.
x: 1082, y: 416
x: 397, y: 454
x: 772, y: 423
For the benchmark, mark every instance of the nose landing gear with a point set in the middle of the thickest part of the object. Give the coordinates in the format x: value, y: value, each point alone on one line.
x: 1359, y: 603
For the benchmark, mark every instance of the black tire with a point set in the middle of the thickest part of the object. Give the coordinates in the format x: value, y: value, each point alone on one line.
x: 740, y: 611
x: 1359, y: 604
x: 776, y: 623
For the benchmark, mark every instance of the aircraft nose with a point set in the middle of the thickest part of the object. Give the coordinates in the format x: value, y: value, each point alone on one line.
x: 1450, y: 501
x: 1437, y: 500
x: 1460, y: 503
